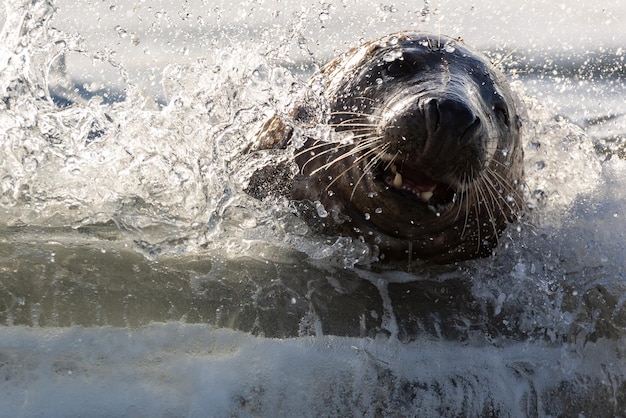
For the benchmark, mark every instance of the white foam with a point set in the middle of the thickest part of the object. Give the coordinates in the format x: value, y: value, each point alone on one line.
x: 195, y: 371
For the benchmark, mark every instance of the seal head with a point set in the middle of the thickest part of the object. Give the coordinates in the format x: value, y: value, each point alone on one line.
x: 426, y: 162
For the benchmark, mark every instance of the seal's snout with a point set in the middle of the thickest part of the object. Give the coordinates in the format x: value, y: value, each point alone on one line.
x: 442, y: 134
x: 450, y: 119
x: 433, y: 126
x: 454, y: 148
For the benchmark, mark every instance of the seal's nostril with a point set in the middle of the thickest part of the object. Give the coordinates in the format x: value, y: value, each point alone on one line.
x: 472, y: 130
x: 453, y: 118
x: 502, y: 114
x: 455, y: 114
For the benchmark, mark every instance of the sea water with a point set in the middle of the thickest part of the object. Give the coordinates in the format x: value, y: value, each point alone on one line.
x: 138, y: 279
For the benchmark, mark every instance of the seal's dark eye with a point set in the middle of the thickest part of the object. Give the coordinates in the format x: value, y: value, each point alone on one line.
x: 501, y: 112
x: 400, y: 67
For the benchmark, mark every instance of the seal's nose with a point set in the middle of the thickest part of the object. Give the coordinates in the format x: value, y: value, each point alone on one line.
x: 456, y: 140
x: 450, y: 119
x: 441, y: 133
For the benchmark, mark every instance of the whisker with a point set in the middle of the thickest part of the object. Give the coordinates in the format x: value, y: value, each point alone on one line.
x: 477, y: 220
x: 355, y: 121
x: 355, y: 125
x: 364, y: 135
x: 332, y: 146
x: 353, y: 151
x: 357, y: 130
x: 503, y: 58
x: 476, y: 191
x: 393, y: 159
x: 490, y: 202
x: 467, y: 211
x: 364, y: 98
x: 356, y: 162
x: 500, y: 186
x: 507, y: 186
x: 367, y: 169
x: 356, y: 118
x: 318, y: 146
x: 506, y: 182
x: 461, y: 196
x: 358, y: 114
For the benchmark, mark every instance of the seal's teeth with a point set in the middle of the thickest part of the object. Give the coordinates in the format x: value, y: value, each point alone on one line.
x: 426, y: 195
x: 397, y: 180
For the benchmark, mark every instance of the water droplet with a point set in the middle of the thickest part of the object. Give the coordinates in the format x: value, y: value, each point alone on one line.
x: 248, y: 223
x: 343, y: 138
x: 30, y: 163
x: 379, y: 210
x: 7, y: 184
x: 121, y: 32
x: 134, y: 38
x: 321, y: 210
x: 449, y: 47
x: 393, y: 55
x: 425, y: 11
x: 367, y: 216
x: 71, y: 163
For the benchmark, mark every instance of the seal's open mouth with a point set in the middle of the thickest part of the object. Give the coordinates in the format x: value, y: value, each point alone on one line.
x: 410, y: 181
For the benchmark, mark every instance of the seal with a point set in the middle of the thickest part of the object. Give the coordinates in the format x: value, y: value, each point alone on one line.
x: 423, y: 157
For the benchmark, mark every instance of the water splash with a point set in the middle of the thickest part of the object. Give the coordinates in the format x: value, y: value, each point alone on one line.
x: 125, y: 162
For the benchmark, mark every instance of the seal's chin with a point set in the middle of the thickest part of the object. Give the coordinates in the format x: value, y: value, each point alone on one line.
x: 414, y: 184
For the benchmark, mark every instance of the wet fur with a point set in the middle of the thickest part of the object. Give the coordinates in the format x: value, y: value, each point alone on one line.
x: 413, y: 102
